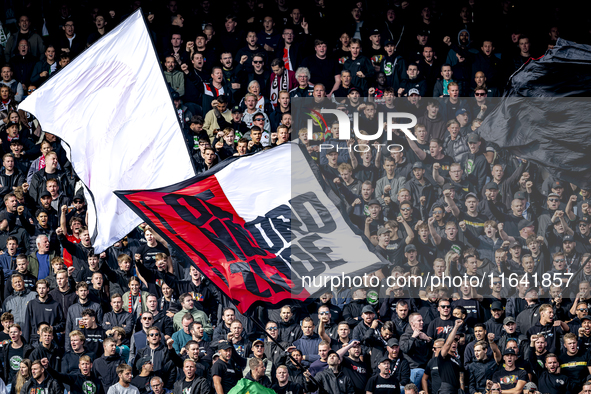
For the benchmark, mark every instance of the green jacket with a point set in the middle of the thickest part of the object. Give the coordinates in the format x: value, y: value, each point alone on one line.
x: 34, y: 263
x: 198, y: 316
x: 176, y: 79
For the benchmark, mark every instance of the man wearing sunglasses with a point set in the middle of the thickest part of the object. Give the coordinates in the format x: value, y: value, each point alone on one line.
x: 441, y: 326
x: 160, y: 356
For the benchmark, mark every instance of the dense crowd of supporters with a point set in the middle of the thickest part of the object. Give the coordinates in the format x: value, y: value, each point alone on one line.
x: 140, y: 317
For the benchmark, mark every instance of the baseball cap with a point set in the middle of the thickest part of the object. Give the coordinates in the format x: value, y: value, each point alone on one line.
x: 492, y: 185
x: 523, y: 224
x: 423, y: 32
x: 418, y: 164
x: 392, y: 342
x: 473, y: 137
x: 383, y: 230
x: 354, y: 89
x: 222, y: 345
x: 568, y: 238
x: 447, y: 186
x: 530, y: 386
x: 471, y: 194
x: 368, y: 309
x: 373, y: 201
x: 257, y: 341
x: 175, y: 96
x: 514, y: 244
x: 236, y: 109
x: 384, y: 359
x: 389, y: 42
x: 331, y: 150
x: 586, y: 318
x: 558, y: 184
x: 409, y: 248
x: 520, y: 195
x: 586, y: 219
x: 414, y: 91
x: 509, y: 351
x: 554, y: 195
x: 374, y: 32
x: 461, y: 111
x: 9, y: 124
x: 44, y: 193
x: 143, y: 361
x: 509, y: 319
x: 496, y: 306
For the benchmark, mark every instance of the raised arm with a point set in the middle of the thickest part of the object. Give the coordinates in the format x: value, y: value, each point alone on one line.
x: 410, y: 234
x: 495, y: 348
x: 438, y: 178
x: 418, y: 151
x: 569, y: 208
x: 452, y: 205
x: 436, y: 237
x: 451, y: 338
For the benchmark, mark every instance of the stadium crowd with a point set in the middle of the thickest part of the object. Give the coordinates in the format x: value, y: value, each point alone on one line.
x: 140, y: 318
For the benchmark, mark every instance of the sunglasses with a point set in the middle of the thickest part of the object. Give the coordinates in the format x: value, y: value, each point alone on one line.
x: 259, y: 119
x: 146, y: 318
x: 405, y: 209
x: 553, y: 200
x: 257, y: 61
x: 153, y: 335
x: 559, y: 261
x: 271, y: 328
x: 582, y: 309
x: 445, y: 306
x: 479, y: 94
x: 324, y: 313
x: 258, y: 346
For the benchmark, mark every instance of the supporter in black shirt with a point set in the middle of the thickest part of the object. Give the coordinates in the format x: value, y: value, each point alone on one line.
x: 444, y: 324
x: 551, y: 381
x: 283, y: 384
x: 384, y: 382
x: 224, y: 371
x: 449, y: 365
x: 574, y: 363
x: 511, y: 378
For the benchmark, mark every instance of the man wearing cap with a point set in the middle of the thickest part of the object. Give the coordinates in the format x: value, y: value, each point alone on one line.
x: 510, y: 333
x: 511, y: 378
x: 583, y: 236
x: 494, y: 325
x: 384, y: 235
x: 385, y: 382
x: 393, y: 65
x: 399, y: 365
x: 412, y: 261
x: 475, y: 165
x: 268, y: 368
x: 368, y: 323
x: 333, y: 379
x: 224, y: 371
x: 491, y: 192
x: 556, y: 231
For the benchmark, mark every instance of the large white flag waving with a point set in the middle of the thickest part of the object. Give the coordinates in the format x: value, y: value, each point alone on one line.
x: 113, y: 110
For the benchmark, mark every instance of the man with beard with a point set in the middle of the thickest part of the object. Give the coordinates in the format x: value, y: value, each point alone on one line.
x: 333, y: 379
x: 385, y: 382
x: 551, y: 381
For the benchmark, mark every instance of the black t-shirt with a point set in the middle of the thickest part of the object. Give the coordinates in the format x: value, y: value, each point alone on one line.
x: 149, y: 254
x: 575, y: 367
x: 445, y: 162
x: 228, y: 372
x: 432, y: 370
x: 473, y: 224
x: 378, y: 385
x: 322, y: 70
x: 94, y: 340
x: 508, y: 379
x: 186, y: 386
x: 359, y: 373
x: 289, y: 388
x: 370, y: 173
x: 440, y: 329
x: 15, y: 356
x: 395, y: 249
x: 449, y: 370
x: 553, y: 383
x: 428, y: 251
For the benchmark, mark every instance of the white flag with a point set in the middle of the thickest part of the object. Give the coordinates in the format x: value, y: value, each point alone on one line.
x: 112, y: 108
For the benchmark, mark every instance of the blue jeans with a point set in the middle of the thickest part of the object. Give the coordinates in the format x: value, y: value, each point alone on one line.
x: 416, y: 375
